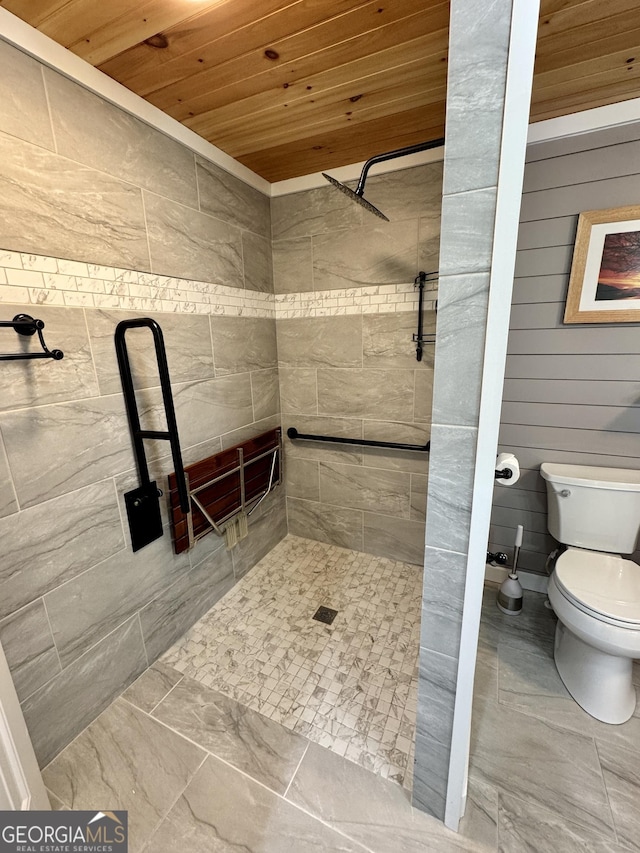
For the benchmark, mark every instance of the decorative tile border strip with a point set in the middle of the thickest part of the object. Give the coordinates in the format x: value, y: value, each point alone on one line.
x: 366, y: 299
x: 41, y: 280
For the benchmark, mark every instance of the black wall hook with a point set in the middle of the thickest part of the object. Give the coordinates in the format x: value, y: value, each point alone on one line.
x: 26, y: 326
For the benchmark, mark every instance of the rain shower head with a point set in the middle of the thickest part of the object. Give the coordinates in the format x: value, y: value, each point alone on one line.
x: 354, y: 196
x: 358, y: 194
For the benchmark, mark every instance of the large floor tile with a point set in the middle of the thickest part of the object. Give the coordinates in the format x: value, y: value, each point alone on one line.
x: 548, y: 766
x: 371, y: 810
x: 528, y: 681
x: 152, y: 686
x: 544, y: 776
x: 480, y: 821
x: 526, y: 828
x: 534, y: 629
x: 125, y: 760
x: 621, y: 771
x: 485, y: 685
x: 56, y: 803
x: 249, y: 741
x: 224, y: 811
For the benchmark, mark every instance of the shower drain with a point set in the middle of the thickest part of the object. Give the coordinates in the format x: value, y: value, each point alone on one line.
x: 325, y: 614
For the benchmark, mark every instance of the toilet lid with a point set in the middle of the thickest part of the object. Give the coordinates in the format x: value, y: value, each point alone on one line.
x: 604, y: 583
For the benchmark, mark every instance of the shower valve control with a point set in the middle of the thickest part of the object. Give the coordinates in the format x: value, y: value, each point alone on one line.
x: 565, y: 493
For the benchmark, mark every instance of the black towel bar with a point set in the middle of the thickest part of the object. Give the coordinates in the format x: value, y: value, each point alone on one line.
x: 25, y: 325
x: 419, y: 339
x: 293, y: 433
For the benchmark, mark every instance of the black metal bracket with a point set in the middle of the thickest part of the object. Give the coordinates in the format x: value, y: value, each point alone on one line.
x: 420, y: 339
x: 497, y: 557
x: 143, y: 503
x: 293, y: 433
x: 393, y: 155
x: 26, y: 326
x: 504, y: 474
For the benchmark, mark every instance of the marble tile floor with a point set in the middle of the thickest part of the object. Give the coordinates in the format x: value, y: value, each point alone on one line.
x: 203, y: 773
x: 199, y: 771
x: 350, y: 686
x: 546, y: 775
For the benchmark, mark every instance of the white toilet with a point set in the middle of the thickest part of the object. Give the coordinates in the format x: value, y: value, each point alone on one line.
x: 593, y: 590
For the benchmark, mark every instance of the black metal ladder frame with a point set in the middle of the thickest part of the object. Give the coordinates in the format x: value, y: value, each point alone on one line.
x: 137, y: 433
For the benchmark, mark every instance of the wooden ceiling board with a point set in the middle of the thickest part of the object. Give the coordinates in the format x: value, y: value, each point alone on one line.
x: 290, y: 87
x: 313, y: 49
x: 222, y: 34
x: 552, y: 87
x: 387, y: 102
x: 388, y: 61
x: 624, y: 90
x: 597, y: 42
x: 562, y: 15
x: 294, y: 77
x: 323, y: 152
x: 304, y: 102
x: 113, y: 37
x: 298, y: 71
x: 33, y: 11
x: 79, y: 20
x: 581, y: 76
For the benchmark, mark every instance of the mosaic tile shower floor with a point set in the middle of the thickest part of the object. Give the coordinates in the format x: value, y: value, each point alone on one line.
x: 350, y: 686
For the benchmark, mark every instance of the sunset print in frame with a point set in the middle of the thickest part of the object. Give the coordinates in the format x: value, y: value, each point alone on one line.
x: 604, y: 286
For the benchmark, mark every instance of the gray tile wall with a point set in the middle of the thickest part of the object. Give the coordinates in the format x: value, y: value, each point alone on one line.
x: 81, y: 615
x: 357, y: 375
x: 69, y: 581
x: 120, y: 192
x: 478, y: 46
x: 571, y: 392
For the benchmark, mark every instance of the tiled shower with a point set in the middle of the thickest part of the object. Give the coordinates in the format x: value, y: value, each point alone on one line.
x: 297, y: 312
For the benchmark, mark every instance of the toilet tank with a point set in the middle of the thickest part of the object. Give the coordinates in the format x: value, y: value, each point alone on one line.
x: 595, y: 508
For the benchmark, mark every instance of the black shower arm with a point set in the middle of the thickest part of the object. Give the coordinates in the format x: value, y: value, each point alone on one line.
x: 392, y: 155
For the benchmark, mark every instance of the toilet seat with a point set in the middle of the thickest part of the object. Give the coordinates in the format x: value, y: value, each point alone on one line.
x: 605, y: 586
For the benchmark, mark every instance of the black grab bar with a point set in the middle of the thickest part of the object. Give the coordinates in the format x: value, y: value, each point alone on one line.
x: 142, y: 503
x: 419, y: 339
x: 293, y: 433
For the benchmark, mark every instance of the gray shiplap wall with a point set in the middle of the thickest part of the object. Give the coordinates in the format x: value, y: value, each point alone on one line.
x: 571, y: 393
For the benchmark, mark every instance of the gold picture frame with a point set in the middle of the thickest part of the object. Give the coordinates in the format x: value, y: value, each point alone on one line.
x: 604, y: 286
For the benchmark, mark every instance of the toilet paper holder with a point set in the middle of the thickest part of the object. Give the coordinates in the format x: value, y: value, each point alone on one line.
x: 507, y: 469
x: 503, y: 474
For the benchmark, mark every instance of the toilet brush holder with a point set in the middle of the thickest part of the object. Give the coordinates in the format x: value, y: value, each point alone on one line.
x: 509, y: 598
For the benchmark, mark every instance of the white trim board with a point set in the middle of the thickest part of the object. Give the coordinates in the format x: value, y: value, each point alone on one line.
x: 352, y: 172
x: 41, y: 47
x: 519, y: 79
x: 587, y: 121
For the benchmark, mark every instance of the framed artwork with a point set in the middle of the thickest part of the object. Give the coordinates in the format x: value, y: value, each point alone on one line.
x: 604, y: 286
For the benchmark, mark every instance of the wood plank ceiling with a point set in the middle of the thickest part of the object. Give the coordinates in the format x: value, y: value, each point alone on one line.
x: 290, y: 87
